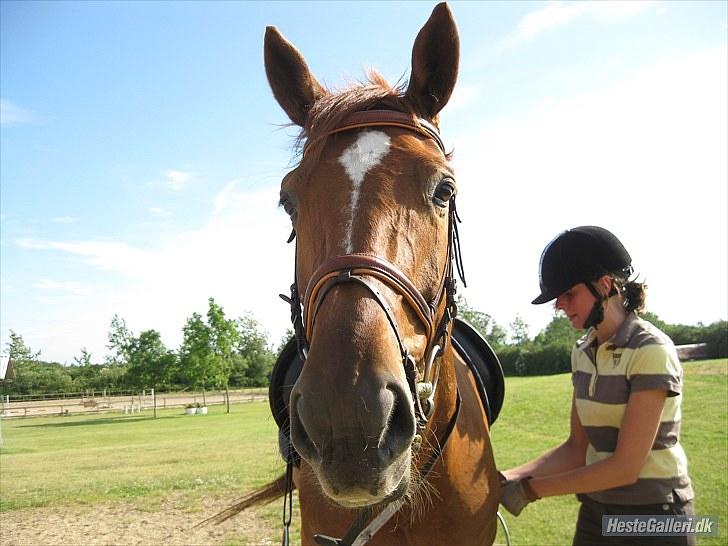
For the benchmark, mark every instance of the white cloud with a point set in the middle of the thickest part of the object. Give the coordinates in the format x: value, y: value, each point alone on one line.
x: 108, y: 255
x: 160, y: 212
x: 63, y: 287
x: 558, y: 14
x: 222, y: 199
x: 645, y: 157
x: 12, y: 114
x: 177, y: 180
x: 462, y: 96
x: 239, y: 257
x: 65, y: 220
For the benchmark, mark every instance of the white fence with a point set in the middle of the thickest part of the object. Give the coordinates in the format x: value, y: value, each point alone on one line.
x: 143, y: 402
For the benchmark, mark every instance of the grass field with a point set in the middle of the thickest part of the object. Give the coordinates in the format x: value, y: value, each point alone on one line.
x: 100, y: 459
x: 94, y: 460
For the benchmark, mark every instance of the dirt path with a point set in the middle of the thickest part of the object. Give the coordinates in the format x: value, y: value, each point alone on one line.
x: 129, y: 523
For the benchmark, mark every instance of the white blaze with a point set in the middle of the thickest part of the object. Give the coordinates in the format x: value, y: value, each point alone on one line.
x: 357, y: 160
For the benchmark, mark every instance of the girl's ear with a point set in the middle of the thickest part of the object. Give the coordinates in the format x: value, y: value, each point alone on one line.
x: 606, y: 285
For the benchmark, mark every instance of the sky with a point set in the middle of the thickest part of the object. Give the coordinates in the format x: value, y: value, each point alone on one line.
x: 141, y: 153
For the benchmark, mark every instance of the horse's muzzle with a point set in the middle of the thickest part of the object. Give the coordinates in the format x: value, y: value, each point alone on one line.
x: 357, y: 442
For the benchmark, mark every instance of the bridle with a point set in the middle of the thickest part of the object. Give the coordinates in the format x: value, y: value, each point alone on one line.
x: 360, y: 269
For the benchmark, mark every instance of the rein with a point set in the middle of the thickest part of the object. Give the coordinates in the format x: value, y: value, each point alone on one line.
x: 359, y: 269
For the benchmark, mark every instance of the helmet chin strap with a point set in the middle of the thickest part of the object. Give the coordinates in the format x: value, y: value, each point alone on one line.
x: 596, y: 316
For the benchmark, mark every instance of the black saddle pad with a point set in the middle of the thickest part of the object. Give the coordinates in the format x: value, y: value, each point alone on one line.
x: 483, y: 362
x: 470, y: 345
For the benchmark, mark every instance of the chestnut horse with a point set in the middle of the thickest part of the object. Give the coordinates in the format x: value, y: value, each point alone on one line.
x: 385, y: 414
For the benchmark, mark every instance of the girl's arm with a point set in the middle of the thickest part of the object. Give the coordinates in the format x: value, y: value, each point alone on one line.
x: 636, y: 437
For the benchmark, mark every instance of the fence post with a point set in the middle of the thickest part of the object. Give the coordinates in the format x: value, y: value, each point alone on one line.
x: 154, y: 402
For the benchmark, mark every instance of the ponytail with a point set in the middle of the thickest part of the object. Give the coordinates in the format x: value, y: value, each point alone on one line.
x: 633, y: 294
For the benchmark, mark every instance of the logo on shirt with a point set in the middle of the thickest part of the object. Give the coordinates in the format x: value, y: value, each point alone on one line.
x: 616, y: 357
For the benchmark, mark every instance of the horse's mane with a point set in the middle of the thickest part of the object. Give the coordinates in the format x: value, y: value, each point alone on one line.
x: 334, y: 106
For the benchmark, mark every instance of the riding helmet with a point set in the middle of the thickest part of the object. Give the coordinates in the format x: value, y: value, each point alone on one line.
x: 577, y: 255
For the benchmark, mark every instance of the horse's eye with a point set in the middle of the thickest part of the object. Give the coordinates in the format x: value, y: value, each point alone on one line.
x: 287, y: 205
x: 444, y: 192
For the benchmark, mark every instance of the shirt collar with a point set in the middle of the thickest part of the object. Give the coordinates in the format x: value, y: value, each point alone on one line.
x: 620, y: 338
x: 625, y: 331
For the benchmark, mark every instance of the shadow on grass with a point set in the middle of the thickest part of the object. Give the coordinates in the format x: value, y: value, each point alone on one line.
x: 100, y: 421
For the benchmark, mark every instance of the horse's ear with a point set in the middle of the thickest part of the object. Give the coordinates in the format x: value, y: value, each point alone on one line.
x: 435, y: 58
x: 293, y: 85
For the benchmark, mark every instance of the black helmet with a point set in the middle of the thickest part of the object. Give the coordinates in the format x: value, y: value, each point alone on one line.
x: 577, y: 255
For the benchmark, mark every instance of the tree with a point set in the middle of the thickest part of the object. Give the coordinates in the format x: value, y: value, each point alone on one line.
x: 28, y: 372
x: 257, y: 359
x: 85, y: 375
x: 482, y: 322
x: 716, y: 336
x: 84, y: 359
x: 119, y: 341
x: 289, y: 333
x: 653, y: 319
x: 207, y: 354
x: 197, y: 364
x: 223, y: 351
x: 559, y: 331
x: 519, y: 331
x: 19, y: 351
x: 150, y: 363
x: 223, y: 337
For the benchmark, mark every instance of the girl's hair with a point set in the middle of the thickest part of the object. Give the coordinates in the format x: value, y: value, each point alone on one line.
x: 633, y: 293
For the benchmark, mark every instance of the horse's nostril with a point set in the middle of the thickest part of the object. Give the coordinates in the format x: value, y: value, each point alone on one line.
x: 400, y: 431
x: 299, y: 435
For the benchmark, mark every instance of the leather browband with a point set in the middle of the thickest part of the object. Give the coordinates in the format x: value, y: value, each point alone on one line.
x: 390, y: 118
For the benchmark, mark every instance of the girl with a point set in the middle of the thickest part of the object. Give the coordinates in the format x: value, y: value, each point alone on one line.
x: 623, y: 454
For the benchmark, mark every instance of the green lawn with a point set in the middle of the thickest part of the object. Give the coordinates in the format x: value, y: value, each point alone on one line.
x: 86, y: 459
x: 90, y: 459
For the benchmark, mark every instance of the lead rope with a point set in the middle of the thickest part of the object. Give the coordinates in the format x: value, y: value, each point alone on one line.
x: 457, y: 254
x: 505, y: 528
x: 288, y: 497
x: 294, y: 301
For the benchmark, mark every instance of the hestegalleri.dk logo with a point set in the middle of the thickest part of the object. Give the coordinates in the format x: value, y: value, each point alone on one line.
x: 659, y: 526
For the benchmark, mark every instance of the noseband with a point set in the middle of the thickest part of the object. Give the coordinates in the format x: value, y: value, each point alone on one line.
x: 360, y: 268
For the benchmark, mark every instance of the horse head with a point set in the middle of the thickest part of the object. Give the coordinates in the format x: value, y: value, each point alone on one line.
x: 370, y: 203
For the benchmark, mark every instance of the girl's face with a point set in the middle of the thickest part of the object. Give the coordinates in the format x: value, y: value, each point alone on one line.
x: 577, y: 302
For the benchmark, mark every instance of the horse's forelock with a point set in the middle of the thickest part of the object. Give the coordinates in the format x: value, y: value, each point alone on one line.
x: 329, y: 111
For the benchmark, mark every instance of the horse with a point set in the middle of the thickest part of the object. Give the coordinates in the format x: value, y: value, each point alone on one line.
x: 385, y: 433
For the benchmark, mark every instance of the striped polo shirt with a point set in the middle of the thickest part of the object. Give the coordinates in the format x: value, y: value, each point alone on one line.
x: 638, y: 357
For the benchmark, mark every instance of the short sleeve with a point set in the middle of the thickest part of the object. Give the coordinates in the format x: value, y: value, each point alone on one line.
x: 655, y: 367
